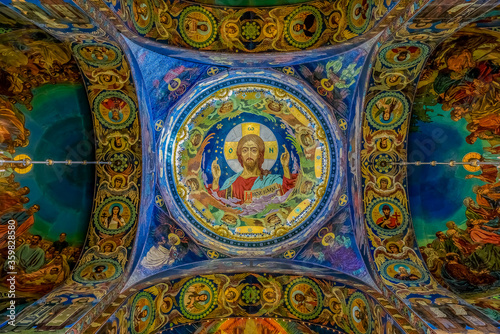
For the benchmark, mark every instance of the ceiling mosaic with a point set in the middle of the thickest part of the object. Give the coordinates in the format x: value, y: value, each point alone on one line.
x: 317, y: 303
x: 110, y: 100
x: 41, y: 200
x: 270, y: 28
x: 253, y: 161
x: 272, y: 197
x: 456, y: 103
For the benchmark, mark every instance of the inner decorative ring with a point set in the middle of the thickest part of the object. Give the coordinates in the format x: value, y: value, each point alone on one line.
x: 248, y: 163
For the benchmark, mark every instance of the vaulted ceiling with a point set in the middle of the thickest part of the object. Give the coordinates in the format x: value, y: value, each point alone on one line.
x: 268, y: 166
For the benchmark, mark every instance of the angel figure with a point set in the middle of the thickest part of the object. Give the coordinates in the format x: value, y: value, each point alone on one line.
x: 393, y: 248
x: 385, y: 187
x: 107, y: 250
x: 325, y: 84
x: 338, y: 310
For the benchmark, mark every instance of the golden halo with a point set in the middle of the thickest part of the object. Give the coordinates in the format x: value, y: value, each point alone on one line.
x: 170, y: 88
x: 113, y: 76
x: 180, y: 233
x: 182, y: 191
x: 320, y: 191
x: 332, y: 303
x: 389, y: 244
x: 267, y: 299
x: 323, y: 241
x: 320, y: 134
x: 182, y: 134
x: 320, y: 235
x: 470, y: 157
x: 280, y: 92
x: 116, y: 148
x: 231, y: 215
x: 177, y: 239
x: 392, y: 75
x: 24, y: 169
x: 330, y: 88
x: 104, y: 242
x: 236, y: 295
x: 222, y: 93
x: 383, y: 177
x: 118, y: 176
x: 169, y: 303
x: 321, y: 91
x: 389, y: 145
x: 236, y: 30
x: 168, y: 20
x: 334, y: 19
x: 270, y: 34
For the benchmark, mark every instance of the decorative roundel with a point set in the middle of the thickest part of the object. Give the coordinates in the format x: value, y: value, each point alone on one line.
x: 142, y: 15
x: 359, y: 14
x: 403, y: 55
x: 401, y: 271
x: 114, y: 215
x: 249, y: 162
x: 360, y: 315
x: 383, y: 163
x: 97, y: 271
x: 197, y: 26
x: 303, y: 26
x: 387, y: 216
x: 98, y: 54
x: 198, y: 297
x: 387, y: 110
x: 303, y: 298
x: 115, y: 109
x: 142, y: 313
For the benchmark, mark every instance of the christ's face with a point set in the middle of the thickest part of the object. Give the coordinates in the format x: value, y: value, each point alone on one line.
x: 250, y: 154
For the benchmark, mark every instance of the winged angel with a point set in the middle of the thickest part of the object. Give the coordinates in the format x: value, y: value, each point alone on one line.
x: 335, y: 298
x: 101, y: 252
x: 393, y: 248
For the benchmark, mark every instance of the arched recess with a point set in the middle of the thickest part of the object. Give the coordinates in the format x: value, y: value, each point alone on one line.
x: 237, y: 289
x: 225, y: 34
x: 391, y: 248
x: 458, y: 238
x: 111, y: 91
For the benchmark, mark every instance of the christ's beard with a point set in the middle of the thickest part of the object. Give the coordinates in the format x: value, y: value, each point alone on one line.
x: 250, y: 163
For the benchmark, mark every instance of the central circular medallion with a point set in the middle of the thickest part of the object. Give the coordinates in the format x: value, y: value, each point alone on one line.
x: 249, y: 161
